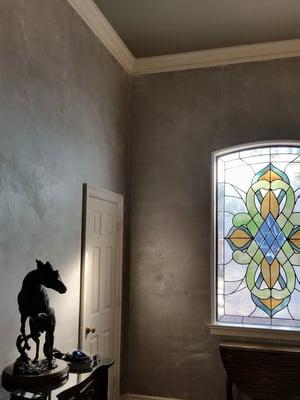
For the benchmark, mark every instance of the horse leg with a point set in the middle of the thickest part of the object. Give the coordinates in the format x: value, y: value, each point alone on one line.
x: 36, y: 328
x: 23, y: 325
x: 21, y: 346
x: 48, y: 346
x: 37, y: 342
x: 49, y: 342
x: 36, y: 339
x: 23, y: 322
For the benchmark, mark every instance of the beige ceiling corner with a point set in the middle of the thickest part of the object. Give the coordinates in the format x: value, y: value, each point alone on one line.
x: 215, y: 57
x: 94, y: 18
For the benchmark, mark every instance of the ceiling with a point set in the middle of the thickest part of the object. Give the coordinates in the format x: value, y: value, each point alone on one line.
x: 158, y: 27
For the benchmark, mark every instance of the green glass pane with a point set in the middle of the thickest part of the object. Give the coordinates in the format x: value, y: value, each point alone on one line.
x: 295, y: 218
x: 288, y: 251
x: 287, y: 228
x: 258, y: 257
x: 240, y: 257
x: 281, y: 257
x: 281, y: 220
x: 241, y: 219
x: 258, y: 219
x: 252, y: 227
x: 252, y: 249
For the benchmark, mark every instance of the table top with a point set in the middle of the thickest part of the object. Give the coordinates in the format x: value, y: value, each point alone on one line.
x: 73, y: 379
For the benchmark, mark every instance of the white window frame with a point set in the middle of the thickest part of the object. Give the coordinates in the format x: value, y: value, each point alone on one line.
x: 240, y: 330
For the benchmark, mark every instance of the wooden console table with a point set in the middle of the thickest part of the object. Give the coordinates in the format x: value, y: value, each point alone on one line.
x: 79, y: 386
x: 263, y: 372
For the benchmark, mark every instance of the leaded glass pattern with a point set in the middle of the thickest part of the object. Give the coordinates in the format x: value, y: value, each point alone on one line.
x: 258, y: 236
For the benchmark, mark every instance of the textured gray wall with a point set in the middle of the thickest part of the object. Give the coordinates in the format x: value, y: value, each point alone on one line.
x: 178, y: 120
x: 64, y: 106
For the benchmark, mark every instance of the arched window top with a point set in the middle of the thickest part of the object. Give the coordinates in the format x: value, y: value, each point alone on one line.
x: 257, y: 236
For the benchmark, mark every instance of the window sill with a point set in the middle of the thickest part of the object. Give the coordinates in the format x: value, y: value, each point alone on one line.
x: 257, y: 332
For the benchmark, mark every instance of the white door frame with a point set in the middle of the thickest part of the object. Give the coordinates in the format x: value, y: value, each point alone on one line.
x: 118, y: 199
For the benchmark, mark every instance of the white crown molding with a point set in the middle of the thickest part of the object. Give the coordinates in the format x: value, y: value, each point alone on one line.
x: 131, y: 396
x: 258, y: 333
x: 94, y: 18
x: 217, y: 57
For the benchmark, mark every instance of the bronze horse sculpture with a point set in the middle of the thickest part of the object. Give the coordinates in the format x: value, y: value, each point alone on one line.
x: 34, y: 304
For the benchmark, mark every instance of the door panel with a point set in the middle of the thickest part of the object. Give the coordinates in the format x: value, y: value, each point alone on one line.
x: 101, y: 308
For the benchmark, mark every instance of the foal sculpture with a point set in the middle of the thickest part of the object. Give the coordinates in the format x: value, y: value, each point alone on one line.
x: 34, y: 304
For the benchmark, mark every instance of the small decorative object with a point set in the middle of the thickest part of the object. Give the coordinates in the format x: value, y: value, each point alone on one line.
x: 34, y: 305
x: 78, y: 360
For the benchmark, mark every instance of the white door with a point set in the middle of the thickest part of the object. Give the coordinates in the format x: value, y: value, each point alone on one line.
x: 101, y: 279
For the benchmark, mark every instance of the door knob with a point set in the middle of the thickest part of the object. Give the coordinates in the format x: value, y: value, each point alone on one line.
x: 89, y: 329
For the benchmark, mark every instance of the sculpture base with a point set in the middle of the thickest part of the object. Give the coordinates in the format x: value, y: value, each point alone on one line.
x: 49, y: 377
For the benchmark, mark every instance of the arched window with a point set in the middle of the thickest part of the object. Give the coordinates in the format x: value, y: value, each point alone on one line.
x: 257, y: 236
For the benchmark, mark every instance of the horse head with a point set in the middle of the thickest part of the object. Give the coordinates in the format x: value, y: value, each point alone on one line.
x: 50, y: 278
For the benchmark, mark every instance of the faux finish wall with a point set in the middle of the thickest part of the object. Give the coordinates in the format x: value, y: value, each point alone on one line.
x: 64, y: 106
x: 178, y: 120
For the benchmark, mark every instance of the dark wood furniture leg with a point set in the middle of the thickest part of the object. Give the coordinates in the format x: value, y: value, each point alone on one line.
x: 92, y: 388
x: 229, y: 394
x: 102, y: 385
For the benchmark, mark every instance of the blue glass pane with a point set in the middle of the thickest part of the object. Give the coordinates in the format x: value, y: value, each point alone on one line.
x: 275, y: 247
x: 270, y: 220
x: 259, y: 238
x: 281, y: 238
x: 264, y: 229
x: 275, y: 229
x: 270, y: 238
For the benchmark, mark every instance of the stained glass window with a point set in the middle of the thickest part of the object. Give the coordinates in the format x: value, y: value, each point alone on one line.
x: 257, y: 236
